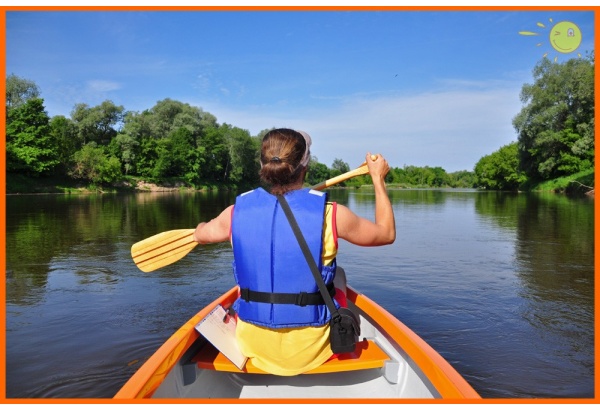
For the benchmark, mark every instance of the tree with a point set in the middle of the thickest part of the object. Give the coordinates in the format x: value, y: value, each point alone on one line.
x: 92, y: 164
x: 338, y: 167
x: 148, y: 156
x: 30, y: 149
x: 438, y: 178
x: 462, y: 179
x: 418, y: 176
x: 213, y: 154
x: 64, y: 134
x: 317, y: 172
x: 136, y: 143
x: 169, y: 115
x: 125, y: 147
x: 176, y: 156
x: 556, y: 125
x: 97, y: 124
x: 398, y: 175
x: 184, y: 154
x: 152, y: 130
x: 242, y: 154
x: 19, y: 91
x: 500, y: 170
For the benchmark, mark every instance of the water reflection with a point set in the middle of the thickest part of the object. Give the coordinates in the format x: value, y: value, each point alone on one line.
x: 54, y: 226
x: 554, y: 252
x: 502, y: 285
x: 554, y: 255
x: 513, y: 271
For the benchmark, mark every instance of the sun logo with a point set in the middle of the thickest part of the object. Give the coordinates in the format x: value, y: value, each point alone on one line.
x: 565, y: 37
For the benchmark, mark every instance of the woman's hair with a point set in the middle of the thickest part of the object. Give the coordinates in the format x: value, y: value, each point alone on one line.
x: 284, y: 155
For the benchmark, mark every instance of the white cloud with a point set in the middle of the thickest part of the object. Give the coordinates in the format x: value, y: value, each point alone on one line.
x: 202, y: 82
x: 448, y: 128
x: 102, y: 86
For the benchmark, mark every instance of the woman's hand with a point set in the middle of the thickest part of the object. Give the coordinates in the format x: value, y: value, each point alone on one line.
x: 378, y: 167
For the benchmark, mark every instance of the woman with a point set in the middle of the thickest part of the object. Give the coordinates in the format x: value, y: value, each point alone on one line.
x: 282, y: 319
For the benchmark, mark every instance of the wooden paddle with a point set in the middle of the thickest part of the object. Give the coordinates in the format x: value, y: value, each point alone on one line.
x: 168, y: 247
x: 163, y: 249
x: 361, y: 170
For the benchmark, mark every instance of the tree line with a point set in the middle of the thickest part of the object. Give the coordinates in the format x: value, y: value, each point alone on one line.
x: 555, y: 129
x: 105, y: 144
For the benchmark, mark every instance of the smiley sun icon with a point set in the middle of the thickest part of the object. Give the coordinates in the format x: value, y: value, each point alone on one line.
x: 565, y: 37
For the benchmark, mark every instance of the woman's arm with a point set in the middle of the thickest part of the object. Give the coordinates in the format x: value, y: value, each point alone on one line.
x: 361, y: 231
x: 216, y: 230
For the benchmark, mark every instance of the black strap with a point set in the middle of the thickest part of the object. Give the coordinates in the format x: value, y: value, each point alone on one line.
x: 306, y: 251
x: 300, y: 299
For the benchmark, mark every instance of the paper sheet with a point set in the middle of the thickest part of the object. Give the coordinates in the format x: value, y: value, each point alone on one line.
x: 222, y: 335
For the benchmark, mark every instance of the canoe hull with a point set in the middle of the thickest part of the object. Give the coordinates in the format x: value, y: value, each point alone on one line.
x: 413, y: 370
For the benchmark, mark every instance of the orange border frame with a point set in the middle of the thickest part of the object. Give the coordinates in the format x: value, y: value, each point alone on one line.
x: 5, y: 9
x: 3, y: 207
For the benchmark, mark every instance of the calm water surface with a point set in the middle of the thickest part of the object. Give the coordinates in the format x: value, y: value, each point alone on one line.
x: 502, y: 285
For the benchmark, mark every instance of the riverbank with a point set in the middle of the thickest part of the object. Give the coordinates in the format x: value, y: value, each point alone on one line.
x: 581, y: 183
x: 575, y: 185
x: 21, y: 184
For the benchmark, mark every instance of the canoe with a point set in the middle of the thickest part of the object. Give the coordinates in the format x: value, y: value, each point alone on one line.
x: 390, y: 361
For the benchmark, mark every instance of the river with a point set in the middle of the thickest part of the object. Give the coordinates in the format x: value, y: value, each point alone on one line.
x: 500, y: 284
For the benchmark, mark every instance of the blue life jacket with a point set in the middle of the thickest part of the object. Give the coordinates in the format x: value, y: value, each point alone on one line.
x: 277, y: 287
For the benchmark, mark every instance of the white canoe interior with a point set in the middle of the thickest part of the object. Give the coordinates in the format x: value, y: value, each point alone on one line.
x: 390, y: 362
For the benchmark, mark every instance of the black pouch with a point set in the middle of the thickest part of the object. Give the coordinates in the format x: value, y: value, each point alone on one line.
x: 344, y: 331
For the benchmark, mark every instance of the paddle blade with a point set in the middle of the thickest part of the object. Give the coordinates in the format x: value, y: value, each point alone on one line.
x: 162, y: 249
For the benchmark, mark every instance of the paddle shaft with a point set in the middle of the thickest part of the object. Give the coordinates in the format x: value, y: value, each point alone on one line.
x: 168, y: 247
x: 361, y: 170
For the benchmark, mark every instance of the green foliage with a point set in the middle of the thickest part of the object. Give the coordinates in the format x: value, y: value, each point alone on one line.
x: 97, y: 124
x: 110, y: 170
x: 579, y: 183
x: 176, y: 155
x: 148, y: 155
x: 414, y: 176
x: 462, y: 179
x: 556, y: 126
x: 30, y: 148
x: 19, y: 91
x: 213, y: 154
x: 243, y: 155
x: 500, y: 170
x: 339, y: 167
x: 125, y: 147
x: 176, y: 141
x: 169, y: 115
x: 92, y: 164
x: 317, y: 172
x: 64, y: 134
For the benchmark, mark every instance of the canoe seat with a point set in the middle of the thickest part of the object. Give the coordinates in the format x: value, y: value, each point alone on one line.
x: 368, y: 355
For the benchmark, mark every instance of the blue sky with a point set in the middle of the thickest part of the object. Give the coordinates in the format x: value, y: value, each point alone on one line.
x: 436, y: 88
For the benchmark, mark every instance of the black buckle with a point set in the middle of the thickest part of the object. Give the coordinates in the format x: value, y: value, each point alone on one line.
x: 245, y: 294
x: 301, y: 299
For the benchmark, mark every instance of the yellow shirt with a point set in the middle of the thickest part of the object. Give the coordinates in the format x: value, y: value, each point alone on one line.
x: 291, y: 351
